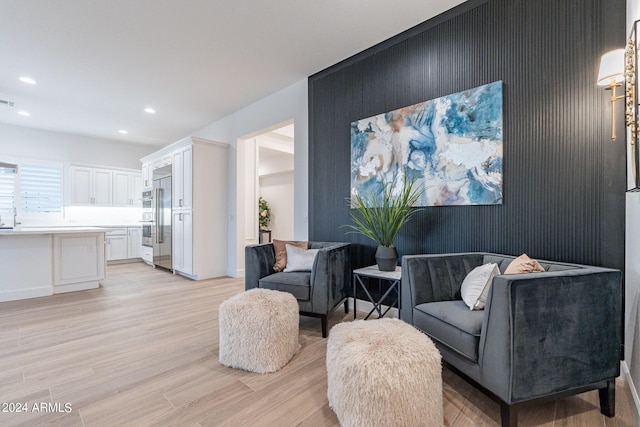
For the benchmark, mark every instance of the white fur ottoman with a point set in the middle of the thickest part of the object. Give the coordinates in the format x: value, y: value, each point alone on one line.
x: 383, y: 372
x: 258, y: 330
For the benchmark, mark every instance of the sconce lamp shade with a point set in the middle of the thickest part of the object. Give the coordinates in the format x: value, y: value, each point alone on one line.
x: 611, y: 66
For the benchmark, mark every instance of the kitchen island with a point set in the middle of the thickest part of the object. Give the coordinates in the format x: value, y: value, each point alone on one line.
x: 37, y: 262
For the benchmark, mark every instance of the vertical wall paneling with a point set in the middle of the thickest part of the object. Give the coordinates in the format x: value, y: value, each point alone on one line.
x: 564, y: 180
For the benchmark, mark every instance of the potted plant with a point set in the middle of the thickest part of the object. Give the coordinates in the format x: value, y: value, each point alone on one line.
x: 264, y: 213
x: 380, y: 217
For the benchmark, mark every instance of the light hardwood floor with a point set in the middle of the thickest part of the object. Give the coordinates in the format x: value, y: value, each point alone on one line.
x: 142, y: 350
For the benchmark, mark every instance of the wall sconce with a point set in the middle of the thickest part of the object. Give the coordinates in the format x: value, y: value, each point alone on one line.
x: 611, y: 76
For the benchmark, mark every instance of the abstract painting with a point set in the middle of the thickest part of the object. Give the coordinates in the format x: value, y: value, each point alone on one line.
x: 450, y: 146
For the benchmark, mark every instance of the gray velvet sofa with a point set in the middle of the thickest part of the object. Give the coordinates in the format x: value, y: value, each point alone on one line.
x: 318, y: 291
x: 541, y: 335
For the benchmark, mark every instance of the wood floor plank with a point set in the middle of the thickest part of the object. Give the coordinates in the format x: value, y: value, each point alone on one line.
x: 323, y: 417
x: 142, y: 350
x: 208, y: 407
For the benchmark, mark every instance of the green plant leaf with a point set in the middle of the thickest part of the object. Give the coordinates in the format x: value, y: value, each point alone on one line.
x: 382, y: 221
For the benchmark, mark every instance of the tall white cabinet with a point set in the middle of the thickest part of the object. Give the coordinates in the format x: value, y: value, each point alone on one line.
x: 199, y: 206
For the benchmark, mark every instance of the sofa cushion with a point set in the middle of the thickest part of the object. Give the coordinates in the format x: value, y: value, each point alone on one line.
x: 296, y: 283
x: 280, y: 250
x: 300, y: 259
x: 475, y: 287
x: 524, y: 264
x: 451, y: 323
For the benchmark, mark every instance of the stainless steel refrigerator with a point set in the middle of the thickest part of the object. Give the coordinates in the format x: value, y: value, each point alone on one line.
x: 161, y: 230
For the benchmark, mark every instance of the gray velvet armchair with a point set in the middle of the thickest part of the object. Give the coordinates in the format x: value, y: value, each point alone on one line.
x: 541, y: 335
x: 319, y: 291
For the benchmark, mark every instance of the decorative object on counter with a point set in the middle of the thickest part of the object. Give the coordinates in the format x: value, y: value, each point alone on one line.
x: 264, y: 213
x: 380, y: 218
x: 452, y: 144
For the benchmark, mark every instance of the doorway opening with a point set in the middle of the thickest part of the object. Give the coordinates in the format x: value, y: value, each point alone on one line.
x: 265, y: 170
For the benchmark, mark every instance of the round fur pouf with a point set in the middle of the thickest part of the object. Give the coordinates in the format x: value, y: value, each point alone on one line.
x: 259, y: 330
x: 383, y: 372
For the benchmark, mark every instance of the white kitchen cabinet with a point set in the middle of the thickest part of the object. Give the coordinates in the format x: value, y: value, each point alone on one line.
x: 147, y: 175
x: 182, y: 172
x: 200, y: 208
x: 40, y: 262
x: 117, y: 244
x: 164, y: 160
x: 199, y: 170
x: 91, y: 186
x: 147, y: 254
x: 182, y: 244
x: 127, y: 188
x: 78, y: 261
x: 136, y: 189
x: 134, y: 241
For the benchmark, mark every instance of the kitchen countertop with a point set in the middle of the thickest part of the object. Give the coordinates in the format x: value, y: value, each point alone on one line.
x: 52, y: 230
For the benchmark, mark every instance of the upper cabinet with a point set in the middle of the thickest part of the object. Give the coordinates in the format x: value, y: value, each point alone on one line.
x: 182, y: 172
x: 162, y: 161
x: 147, y: 175
x: 127, y: 188
x: 90, y: 186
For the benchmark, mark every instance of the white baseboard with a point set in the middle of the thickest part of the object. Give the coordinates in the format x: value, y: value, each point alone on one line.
x: 367, y: 306
x: 73, y: 287
x: 18, y: 294
x: 632, y: 390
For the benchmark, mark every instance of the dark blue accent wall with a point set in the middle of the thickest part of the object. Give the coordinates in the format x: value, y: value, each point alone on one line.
x: 564, y: 180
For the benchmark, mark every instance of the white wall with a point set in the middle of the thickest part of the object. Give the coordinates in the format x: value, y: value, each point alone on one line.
x: 631, y: 365
x: 284, y: 106
x: 633, y: 13
x: 278, y: 190
x: 17, y: 141
x: 277, y: 181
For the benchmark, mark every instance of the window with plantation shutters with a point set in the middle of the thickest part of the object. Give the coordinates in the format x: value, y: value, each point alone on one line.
x: 7, y: 191
x: 40, y: 189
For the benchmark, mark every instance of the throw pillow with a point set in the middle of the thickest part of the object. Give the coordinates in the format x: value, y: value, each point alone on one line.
x: 300, y: 259
x: 523, y: 264
x: 279, y: 247
x: 475, y: 287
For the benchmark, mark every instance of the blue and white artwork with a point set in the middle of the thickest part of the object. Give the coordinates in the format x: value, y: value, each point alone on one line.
x: 451, y: 146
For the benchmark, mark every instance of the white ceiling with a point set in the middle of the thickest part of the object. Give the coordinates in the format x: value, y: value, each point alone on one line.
x: 99, y: 63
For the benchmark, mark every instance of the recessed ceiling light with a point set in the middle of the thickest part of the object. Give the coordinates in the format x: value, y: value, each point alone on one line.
x: 149, y: 110
x: 24, y: 113
x: 123, y: 131
x: 27, y: 80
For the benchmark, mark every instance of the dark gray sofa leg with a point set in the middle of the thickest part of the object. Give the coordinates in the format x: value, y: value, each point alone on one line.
x: 608, y: 399
x: 346, y: 306
x: 508, y: 415
x: 323, y: 318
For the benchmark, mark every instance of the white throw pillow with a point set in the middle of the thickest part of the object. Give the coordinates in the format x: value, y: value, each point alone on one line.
x: 299, y: 259
x: 476, y: 285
